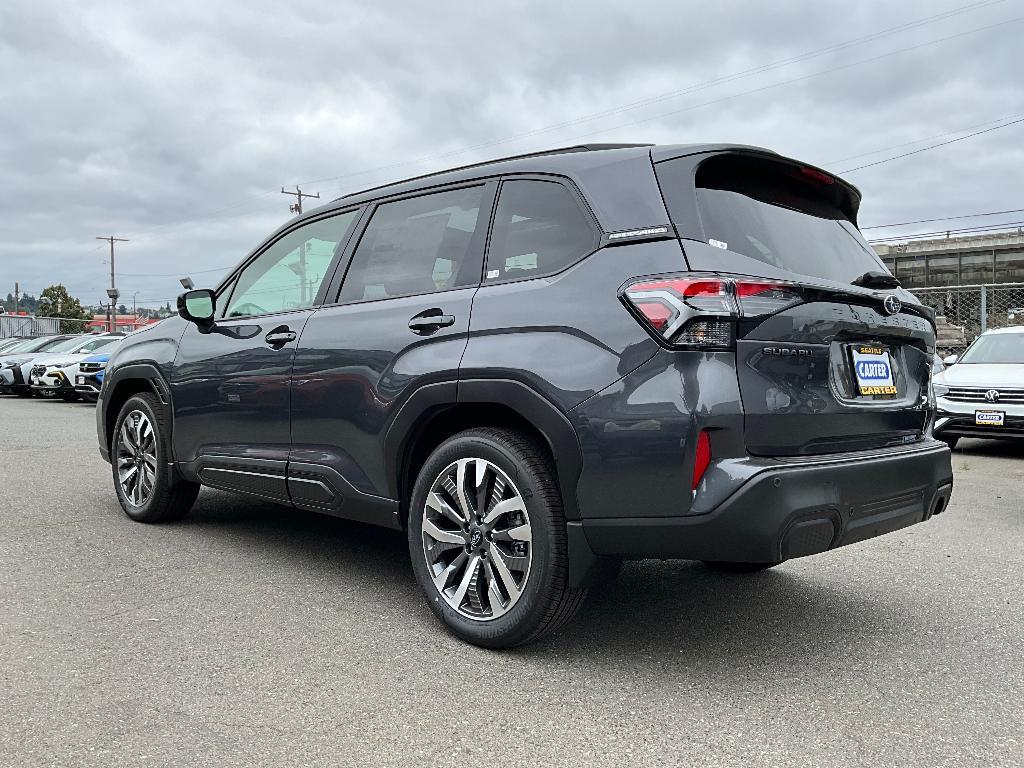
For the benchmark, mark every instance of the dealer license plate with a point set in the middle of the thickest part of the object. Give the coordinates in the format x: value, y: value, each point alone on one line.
x: 35, y: 380
x: 989, y: 418
x: 79, y: 379
x: 872, y: 368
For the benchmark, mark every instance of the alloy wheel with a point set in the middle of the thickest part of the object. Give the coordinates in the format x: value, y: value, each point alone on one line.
x: 477, y: 539
x: 136, y: 458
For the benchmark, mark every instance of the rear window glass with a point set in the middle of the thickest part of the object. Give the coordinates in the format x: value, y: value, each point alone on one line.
x: 794, y: 218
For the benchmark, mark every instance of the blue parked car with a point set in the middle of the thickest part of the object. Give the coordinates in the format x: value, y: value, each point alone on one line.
x: 89, y: 378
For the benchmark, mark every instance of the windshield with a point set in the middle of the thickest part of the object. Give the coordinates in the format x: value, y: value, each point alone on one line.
x: 996, y: 348
x: 793, y: 218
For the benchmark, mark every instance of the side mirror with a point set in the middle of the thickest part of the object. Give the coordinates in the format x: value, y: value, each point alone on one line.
x: 950, y: 359
x: 198, y: 306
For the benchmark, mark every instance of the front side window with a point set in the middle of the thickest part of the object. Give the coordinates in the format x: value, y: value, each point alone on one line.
x: 418, y: 245
x: 288, y: 274
x: 539, y: 229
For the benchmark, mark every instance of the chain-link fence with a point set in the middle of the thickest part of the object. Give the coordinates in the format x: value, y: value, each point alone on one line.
x: 964, y: 311
x: 32, y: 326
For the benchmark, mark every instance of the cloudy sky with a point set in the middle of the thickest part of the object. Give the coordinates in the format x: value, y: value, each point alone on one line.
x: 176, y: 124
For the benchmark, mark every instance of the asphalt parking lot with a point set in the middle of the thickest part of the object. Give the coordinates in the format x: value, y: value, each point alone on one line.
x: 249, y: 634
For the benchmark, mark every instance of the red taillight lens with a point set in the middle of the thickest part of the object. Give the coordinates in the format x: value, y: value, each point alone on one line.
x: 685, y: 310
x: 699, y: 311
x: 766, y: 298
x: 701, y: 459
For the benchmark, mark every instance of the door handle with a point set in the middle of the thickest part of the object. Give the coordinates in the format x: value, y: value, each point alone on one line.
x: 430, y: 321
x: 280, y: 336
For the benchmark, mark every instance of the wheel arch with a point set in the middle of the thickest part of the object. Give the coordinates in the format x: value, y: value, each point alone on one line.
x: 431, y: 416
x: 125, y: 382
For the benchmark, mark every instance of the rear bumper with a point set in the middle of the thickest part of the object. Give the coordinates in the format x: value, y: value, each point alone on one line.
x: 793, y: 510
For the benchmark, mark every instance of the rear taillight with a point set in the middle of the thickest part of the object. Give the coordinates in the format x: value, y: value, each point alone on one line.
x: 700, y: 312
x: 763, y: 298
x: 701, y: 459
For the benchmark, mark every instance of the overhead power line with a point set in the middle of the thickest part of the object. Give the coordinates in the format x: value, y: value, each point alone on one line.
x: 229, y: 211
x: 685, y: 91
x: 945, y: 218
x: 933, y: 146
x: 175, y: 274
x: 942, y: 232
x: 943, y: 135
x: 808, y: 76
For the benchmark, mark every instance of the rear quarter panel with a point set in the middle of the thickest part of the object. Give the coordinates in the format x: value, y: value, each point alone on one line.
x: 567, y: 336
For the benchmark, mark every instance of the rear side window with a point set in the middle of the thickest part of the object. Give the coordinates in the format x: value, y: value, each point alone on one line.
x: 539, y: 229
x: 418, y: 245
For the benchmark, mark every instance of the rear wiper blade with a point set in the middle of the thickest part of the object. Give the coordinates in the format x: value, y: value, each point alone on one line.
x: 876, y: 280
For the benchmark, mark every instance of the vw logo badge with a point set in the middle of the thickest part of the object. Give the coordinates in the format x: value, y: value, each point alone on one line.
x: 992, y: 396
x: 892, y: 305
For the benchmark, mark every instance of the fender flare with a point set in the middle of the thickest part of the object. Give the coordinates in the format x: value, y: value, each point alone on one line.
x: 137, y: 370
x: 553, y: 425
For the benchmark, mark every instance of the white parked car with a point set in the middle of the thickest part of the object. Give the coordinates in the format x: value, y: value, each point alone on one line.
x: 34, y: 370
x: 981, y: 392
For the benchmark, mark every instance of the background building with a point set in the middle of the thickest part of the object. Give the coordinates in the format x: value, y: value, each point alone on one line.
x: 960, y: 260
x: 973, y: 282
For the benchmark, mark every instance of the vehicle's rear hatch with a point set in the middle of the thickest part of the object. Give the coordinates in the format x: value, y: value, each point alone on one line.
x: 823, y: 366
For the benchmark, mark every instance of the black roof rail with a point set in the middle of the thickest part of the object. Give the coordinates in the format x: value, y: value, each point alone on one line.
x: 541, y: 153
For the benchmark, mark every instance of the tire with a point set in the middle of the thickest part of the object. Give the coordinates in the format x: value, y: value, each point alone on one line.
x: 727, y: 567
x: 541, y: 600
x: 167, y: 497
x: 24, y: 392
x: 951, y: 441
x: 69, y: 397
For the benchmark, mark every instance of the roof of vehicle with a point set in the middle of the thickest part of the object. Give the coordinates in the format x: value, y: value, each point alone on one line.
x: 1007, y: 329
x: 617, y: 180
x: 562, y: 159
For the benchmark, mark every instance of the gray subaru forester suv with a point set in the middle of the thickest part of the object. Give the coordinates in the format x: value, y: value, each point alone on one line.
x: 540, y: 366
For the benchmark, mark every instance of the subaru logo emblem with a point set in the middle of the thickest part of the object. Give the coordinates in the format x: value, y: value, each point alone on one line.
x: 992, y: 396
x: 892, y: 305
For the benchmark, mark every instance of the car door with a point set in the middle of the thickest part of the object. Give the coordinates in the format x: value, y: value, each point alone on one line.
x: 399, y: 322
x: 230, y: 382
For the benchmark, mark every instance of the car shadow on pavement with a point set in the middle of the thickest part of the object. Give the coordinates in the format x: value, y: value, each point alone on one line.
x: 676, y: 607
x: 1010, y: 449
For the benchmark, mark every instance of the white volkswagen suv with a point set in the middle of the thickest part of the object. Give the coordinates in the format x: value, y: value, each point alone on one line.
x: 981, y: 393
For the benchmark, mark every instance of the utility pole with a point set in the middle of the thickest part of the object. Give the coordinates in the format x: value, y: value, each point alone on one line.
x: 17, y: 297
x: 112, y: 290
x: 296, y: 208
x: 298, y: 194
